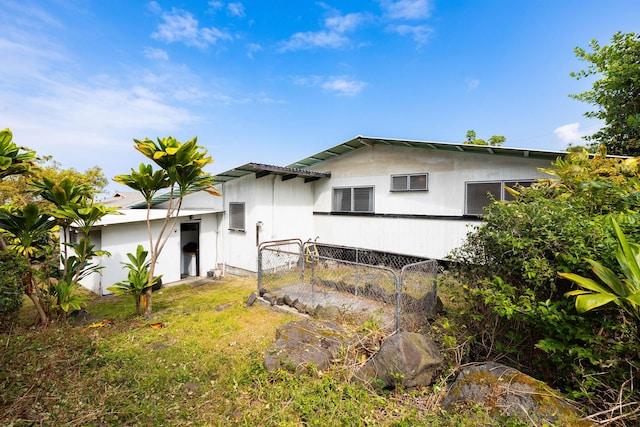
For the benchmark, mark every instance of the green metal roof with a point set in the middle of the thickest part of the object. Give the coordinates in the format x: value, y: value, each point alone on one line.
x: 360, y: 142
x: 263, y: 170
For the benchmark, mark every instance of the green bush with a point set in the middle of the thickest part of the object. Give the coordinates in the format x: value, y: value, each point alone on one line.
x: 12, y: 268
x: 518, y: 309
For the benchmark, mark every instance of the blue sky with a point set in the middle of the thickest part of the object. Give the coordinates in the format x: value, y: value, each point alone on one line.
x: 276, y: 81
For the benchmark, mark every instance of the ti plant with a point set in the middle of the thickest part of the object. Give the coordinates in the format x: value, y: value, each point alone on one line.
x: 622, y: 291
x: 138, y: 278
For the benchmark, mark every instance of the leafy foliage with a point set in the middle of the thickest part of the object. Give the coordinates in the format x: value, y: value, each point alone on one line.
x: 137, y: 279
x: 12, y: 268
x: 18, y: 190
x: 494, y: 141
x: 511, y: 266
x: 61, y: 201
x: 14, y: 160
x: 181, y: 172
x: 623, y: 292
x: 616, y: 95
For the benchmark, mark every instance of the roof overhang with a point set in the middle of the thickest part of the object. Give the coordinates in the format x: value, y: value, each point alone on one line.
x: 124, y: 216
x: 261, y: 170
x: 360, y: 142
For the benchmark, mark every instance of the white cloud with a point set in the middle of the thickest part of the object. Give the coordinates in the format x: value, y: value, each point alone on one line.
x: 253, y: 48
x: 214, y: 4
x: 339, y: 85
x: 154, y: 53
x: 236, y: 9
x: 343, y: 23
x: 343, y: 86
x: 419, y: 33
x: 181, y: 26
x: 311, y: 40
x: 570, y: 133
x: 472, y: 84
x: 331, y: 36
x: 406, y: 9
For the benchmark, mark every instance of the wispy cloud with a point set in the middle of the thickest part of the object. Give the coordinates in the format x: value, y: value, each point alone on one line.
x: 570, y: 133
x: 472, y: 84
x: 253, y: 48
x: 155, y: 53
x: 331, y: 36
x: 182, y: 27
x: 338, y: 85
x: 236, y: 9
x: 419, y: 33
x: 406, y: 9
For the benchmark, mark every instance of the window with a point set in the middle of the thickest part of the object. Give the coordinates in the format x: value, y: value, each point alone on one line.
x: 411, y: 182
x: 479, y: 194
x: 236, y: 216
x: 353, y: 199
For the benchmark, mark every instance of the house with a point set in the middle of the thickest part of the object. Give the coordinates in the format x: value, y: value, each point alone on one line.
x: 412, y: 197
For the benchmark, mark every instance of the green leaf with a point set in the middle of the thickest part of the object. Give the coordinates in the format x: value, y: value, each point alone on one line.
x: 590, y: 301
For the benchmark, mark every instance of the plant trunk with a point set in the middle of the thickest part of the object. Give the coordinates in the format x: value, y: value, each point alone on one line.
x: 147, y: 303
x: 27, y: 282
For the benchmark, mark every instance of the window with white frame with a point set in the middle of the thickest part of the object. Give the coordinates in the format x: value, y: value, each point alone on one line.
x: 410, y: 182
x: 353, y: 199
x: 478, y: 195
x: 236, y: 216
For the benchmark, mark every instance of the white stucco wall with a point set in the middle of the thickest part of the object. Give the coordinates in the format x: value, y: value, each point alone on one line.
x: 120, y: 239
x: 283, y: 207
x: 445, y: 199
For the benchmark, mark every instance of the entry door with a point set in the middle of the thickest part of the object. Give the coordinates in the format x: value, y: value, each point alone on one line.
x: 190, y: 245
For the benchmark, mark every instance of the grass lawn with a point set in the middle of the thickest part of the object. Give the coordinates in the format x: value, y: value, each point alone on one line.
x: 200, y: 365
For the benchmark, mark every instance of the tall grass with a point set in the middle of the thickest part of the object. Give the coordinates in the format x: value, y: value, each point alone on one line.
x: 203, y: 366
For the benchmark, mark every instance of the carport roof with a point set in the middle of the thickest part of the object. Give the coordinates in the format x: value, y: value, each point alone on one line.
x: 263, y: 170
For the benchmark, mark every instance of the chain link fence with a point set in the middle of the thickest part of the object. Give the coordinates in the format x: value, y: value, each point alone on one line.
x: 398, y: 291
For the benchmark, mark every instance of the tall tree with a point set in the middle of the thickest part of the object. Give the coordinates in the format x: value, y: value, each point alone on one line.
x: 616, y: 95
x: 16, y: 189
x: 494, y: 141
x: 181, y: 172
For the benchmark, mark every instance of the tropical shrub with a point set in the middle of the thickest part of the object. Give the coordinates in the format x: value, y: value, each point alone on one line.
x: 137, y: 281
x: 12, y: 269
x: 510, y: 265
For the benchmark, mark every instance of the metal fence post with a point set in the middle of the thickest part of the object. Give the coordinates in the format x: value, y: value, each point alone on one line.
x: 259, y: 271
x: 398, y: 280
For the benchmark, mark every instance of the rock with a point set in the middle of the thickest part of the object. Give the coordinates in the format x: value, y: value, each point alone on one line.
x: 271, y: 299
x: 405, y: 359
x: 253, y: 297
x: 326, y: 313
x: 303, y: 343
x: 288, y: 301
x: 301, y: 307
x: 507, y: 391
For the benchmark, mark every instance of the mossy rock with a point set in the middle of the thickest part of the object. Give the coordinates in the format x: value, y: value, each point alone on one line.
x: 505, y: 391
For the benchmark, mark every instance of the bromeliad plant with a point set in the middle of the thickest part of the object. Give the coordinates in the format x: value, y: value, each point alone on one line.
x: 622, y: 291
x: 138, y: 278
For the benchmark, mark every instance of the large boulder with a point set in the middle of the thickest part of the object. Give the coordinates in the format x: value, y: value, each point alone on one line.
x: 508, y: 392
x: 304, y: 343
x: 405, y: 359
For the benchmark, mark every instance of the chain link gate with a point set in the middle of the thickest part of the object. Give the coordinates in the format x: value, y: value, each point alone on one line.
x: 399, y: 289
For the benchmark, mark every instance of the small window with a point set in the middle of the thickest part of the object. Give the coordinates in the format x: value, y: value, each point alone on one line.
x: 514, y: 185
x: 236, y: 216
x: 411, y: 182
x: 479, y: 194
x: 353, y: 199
